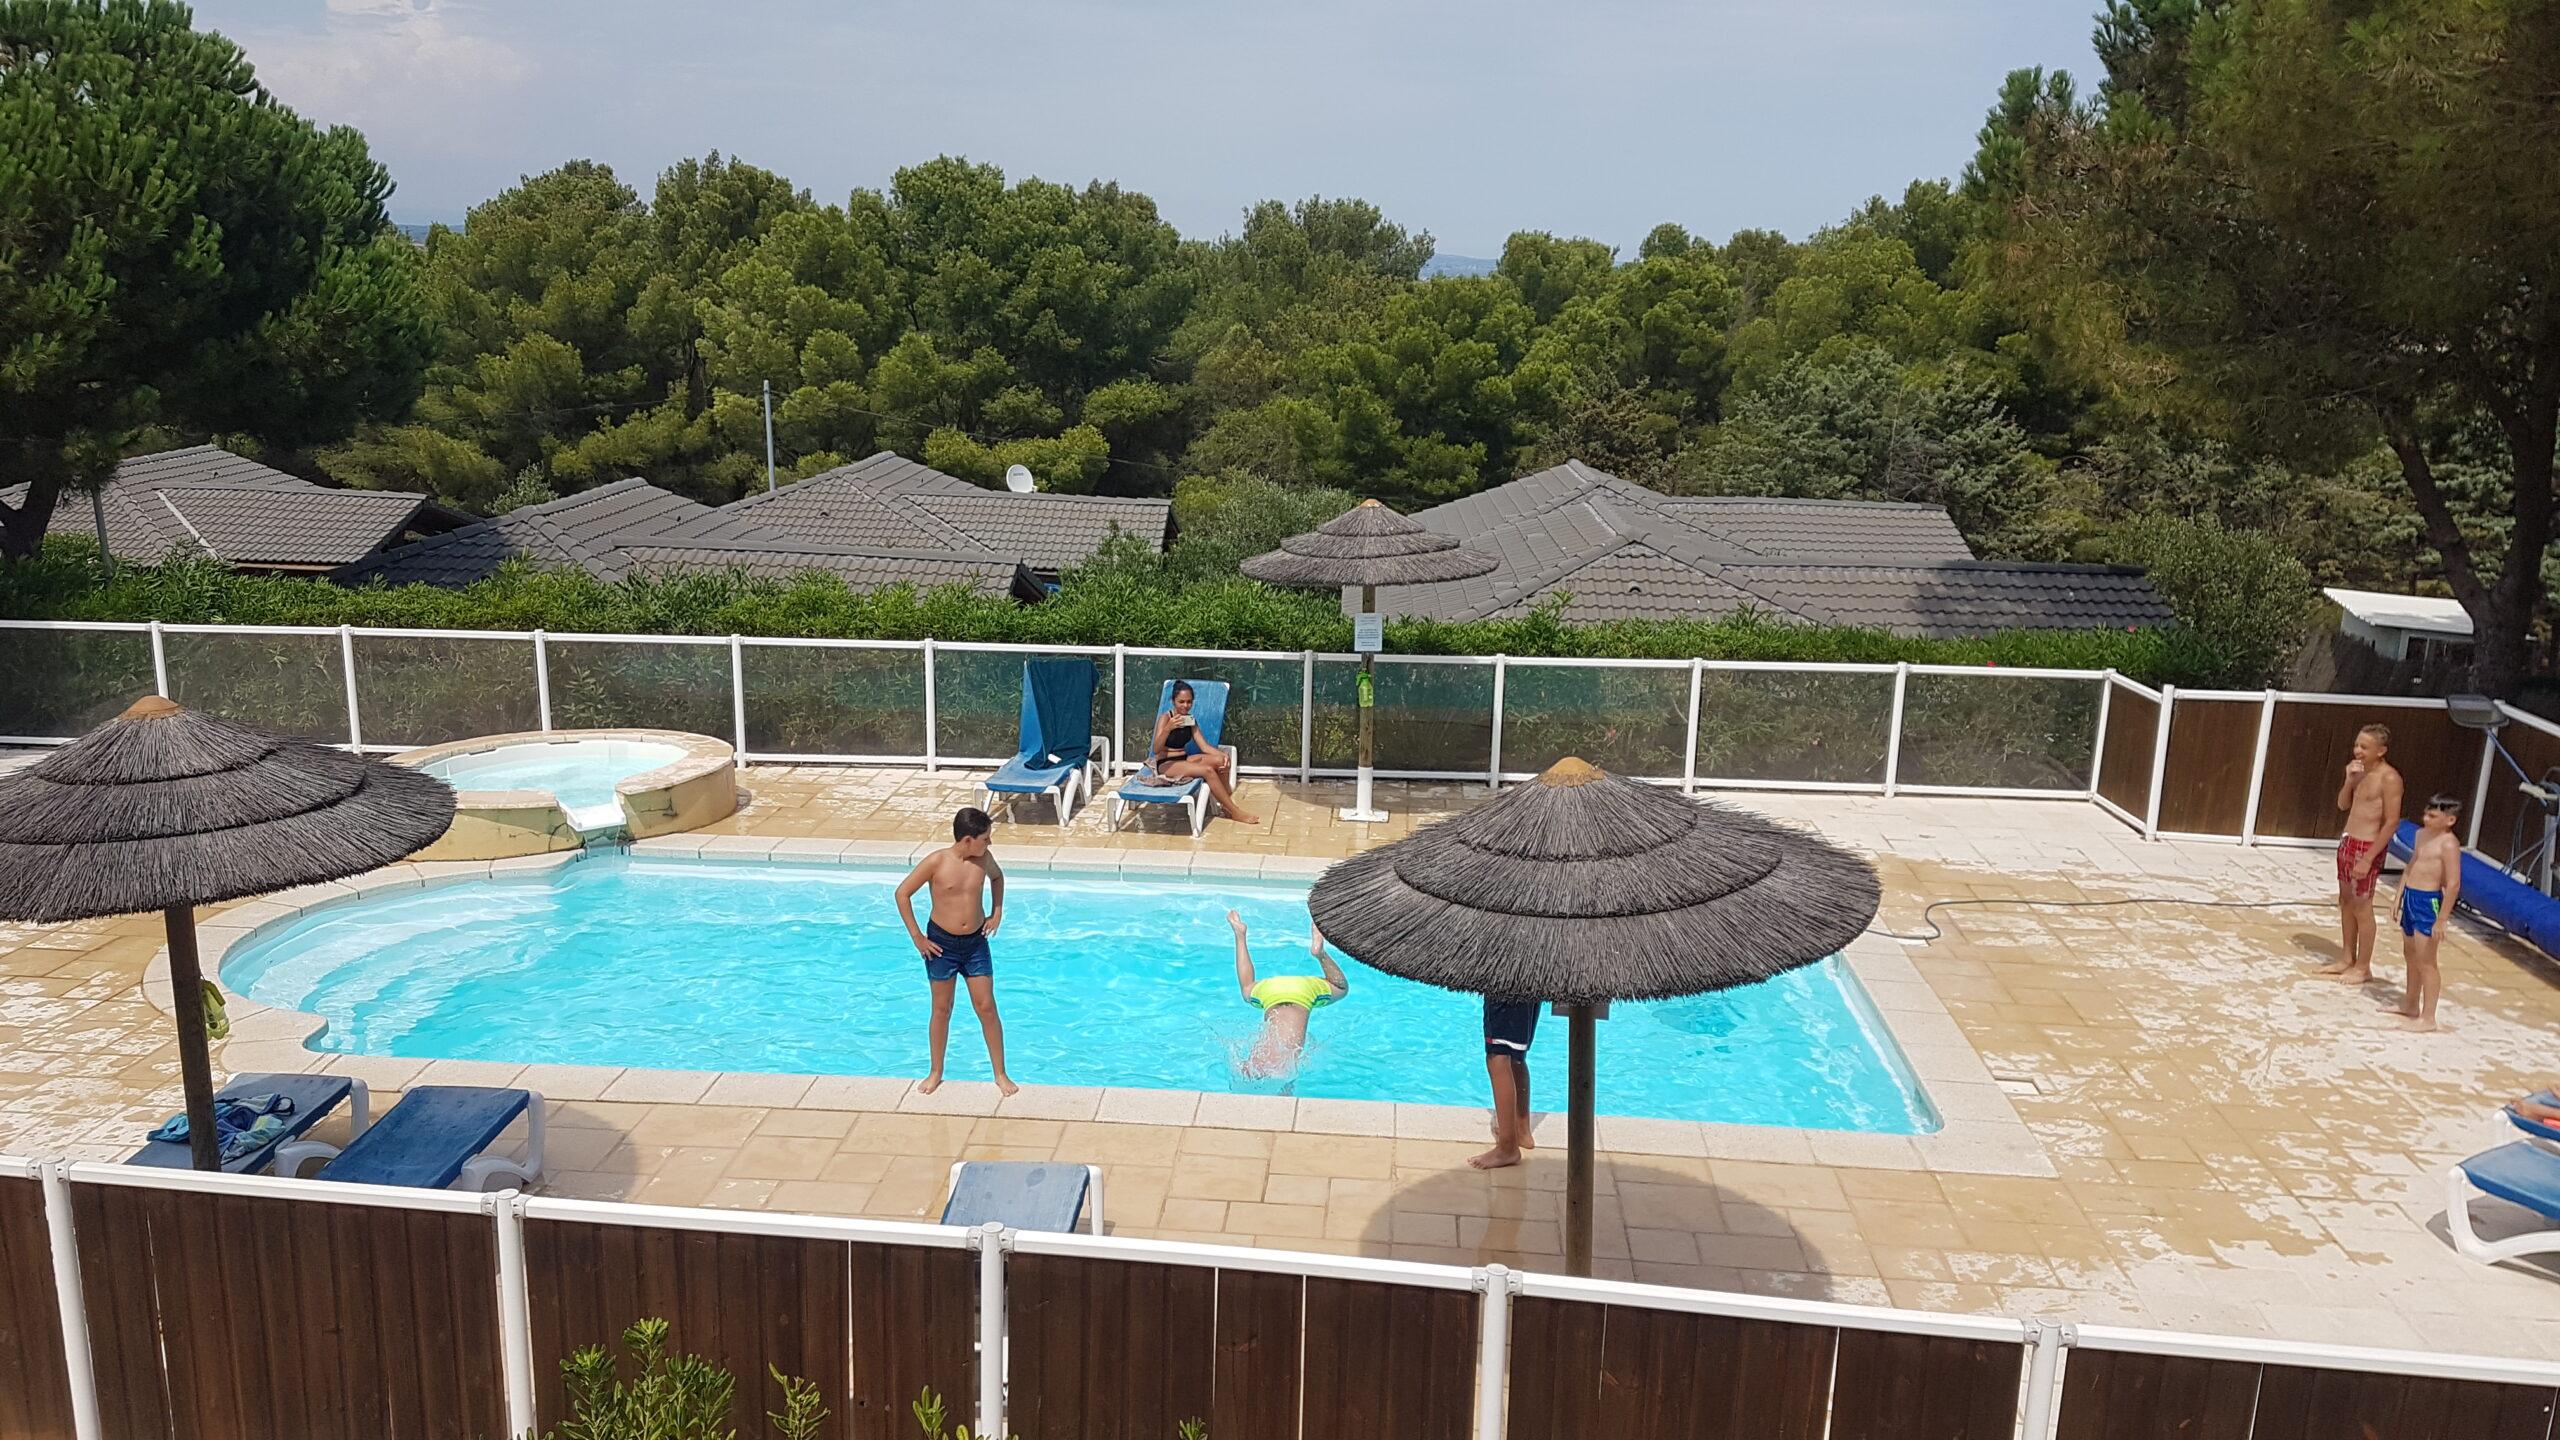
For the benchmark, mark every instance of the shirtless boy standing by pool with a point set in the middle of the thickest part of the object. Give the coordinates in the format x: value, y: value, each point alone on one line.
x: 2428, y: 889
x: 954, y: 938
x: 1286, y: 1003
x: 2371, y: 798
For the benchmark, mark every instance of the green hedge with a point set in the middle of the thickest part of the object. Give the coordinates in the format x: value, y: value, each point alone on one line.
x: 1111, y: 603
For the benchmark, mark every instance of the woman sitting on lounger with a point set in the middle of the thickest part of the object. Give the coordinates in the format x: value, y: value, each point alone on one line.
x: 1286, y: 1003
x: 1177, y: 754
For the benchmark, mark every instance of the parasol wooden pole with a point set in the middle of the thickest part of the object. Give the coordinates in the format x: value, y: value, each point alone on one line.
x: 195, y: 1066
x: 1362, y: 805
x: 1581, y: 1139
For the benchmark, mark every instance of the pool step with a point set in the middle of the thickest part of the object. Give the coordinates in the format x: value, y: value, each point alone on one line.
x: 591, y: 818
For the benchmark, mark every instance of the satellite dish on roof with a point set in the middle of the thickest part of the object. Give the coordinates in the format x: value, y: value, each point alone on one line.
x: 1017, y: 478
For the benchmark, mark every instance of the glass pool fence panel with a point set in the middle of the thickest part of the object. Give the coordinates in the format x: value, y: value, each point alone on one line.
x: 1434, y: 720
x: 2000, y: 730
x: 977, y: 700
x: 414, y: 690
x: 1264, y: 697
x: 653, y: 684
x: 1794, y: 726
x: 293, y: 682
x: 834, y: 701
x: 1630, y: 718
x: 62, y: 683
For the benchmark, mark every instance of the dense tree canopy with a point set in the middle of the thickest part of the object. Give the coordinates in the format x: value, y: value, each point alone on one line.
x: 176, y: 248
x: 2274, y: 297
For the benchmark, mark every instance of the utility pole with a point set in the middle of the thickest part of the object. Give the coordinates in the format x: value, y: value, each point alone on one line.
x: 98, y: 512
x: 768, y: 437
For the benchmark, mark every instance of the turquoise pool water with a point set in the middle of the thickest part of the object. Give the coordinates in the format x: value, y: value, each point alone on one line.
x: 580, y: 774
x: 714, y: 965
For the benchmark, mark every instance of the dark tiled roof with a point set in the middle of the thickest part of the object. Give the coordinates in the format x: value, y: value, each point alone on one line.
x: 889, y: 501
x: 632, y: 527
x: 1617, y: 551
x: 860, y: 569
x: 588, y: 529
x: 204, y: 500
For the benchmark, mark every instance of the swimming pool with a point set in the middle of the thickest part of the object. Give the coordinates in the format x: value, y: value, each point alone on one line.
x: 702, y: 964
x: 580, y: 773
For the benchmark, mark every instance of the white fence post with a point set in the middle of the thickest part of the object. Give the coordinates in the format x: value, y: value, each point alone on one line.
x: 2258, y: 770
x: 1493, y: 766
x: 1893, y: 733
x: 1493, y: 1347
x: 738, y: 696
x: 347, y: 666
x: 2045, y: 1343
x: 1306, y: 716
x: 1689, y: 756
x: 160, y: 661
x: 1119, y: 700
x: 929, y: 765
x: 2098, y: 748
x: 542, y: 678
x: 2159, y: 763
x: 991, y: 1241
x: 515, y: 1313
x: 2480, y: 792
x: 69, y: 1302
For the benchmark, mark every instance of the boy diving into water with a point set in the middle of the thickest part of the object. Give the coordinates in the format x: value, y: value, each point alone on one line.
x: 1286, y: 1002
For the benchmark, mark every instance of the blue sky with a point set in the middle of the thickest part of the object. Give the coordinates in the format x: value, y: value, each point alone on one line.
x: 1600, y: 118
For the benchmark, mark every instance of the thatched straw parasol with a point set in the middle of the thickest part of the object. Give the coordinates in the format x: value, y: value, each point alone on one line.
x: 165, y: 809
x: 1583, y: 888
x: 1368, y: 545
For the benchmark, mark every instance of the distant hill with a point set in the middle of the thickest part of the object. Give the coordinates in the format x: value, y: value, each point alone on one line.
x: 1457, y: 265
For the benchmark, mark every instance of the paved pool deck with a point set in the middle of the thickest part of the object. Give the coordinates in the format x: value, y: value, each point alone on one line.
x: 2158, y: 1115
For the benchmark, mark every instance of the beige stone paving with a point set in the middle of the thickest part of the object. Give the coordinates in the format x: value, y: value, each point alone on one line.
x: 2239, y: 1147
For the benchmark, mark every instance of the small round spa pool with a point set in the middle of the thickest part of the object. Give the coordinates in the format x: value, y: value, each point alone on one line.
x: 529, y: 794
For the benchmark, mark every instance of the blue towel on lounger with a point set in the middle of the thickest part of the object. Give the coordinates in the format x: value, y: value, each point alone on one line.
x: 259, y: 1115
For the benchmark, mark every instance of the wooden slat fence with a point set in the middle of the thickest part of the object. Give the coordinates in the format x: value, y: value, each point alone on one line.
x: 35, y: 1393
x: 1581, y: 1371
x: 871, y: 1326
x: 1119, y: 1350
x: 2124, y: 761
x: 230, y: 1314
x: 241, y: 1317
x: 2113, y: 1395
x: 2307, y: 751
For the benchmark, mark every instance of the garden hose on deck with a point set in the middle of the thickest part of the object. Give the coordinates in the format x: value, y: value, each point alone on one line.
x: 1936, y: 934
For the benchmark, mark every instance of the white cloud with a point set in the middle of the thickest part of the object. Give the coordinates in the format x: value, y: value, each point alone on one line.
x: 394, y: 69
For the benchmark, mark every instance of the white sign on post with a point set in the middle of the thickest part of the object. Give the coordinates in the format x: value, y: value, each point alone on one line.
x: 1368, y: 634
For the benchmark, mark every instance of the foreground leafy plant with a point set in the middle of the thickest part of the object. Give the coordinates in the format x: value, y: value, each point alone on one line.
x: 932, y: 1414
x: 674, y: 1397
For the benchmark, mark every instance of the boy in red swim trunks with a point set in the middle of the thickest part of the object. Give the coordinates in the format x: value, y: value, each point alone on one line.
x: 2371, y: 798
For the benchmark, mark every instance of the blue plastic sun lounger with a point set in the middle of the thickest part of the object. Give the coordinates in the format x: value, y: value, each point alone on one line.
x: 313, y: 1097
x: 434, y: 1137
x: 1209, y: 709
x: 2523, y: 1172
x: 1023, y: 1195
x: 1057, y: 737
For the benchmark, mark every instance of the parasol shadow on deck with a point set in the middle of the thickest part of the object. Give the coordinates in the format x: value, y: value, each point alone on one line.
x: 162, y: 808
x: 1582, y: 888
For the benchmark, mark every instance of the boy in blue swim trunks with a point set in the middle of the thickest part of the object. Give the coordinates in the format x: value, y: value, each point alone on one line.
x: 1509, y: 1027
x: 2428, y: 889
x: 954, y: 939
x: 1286, y: 1003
